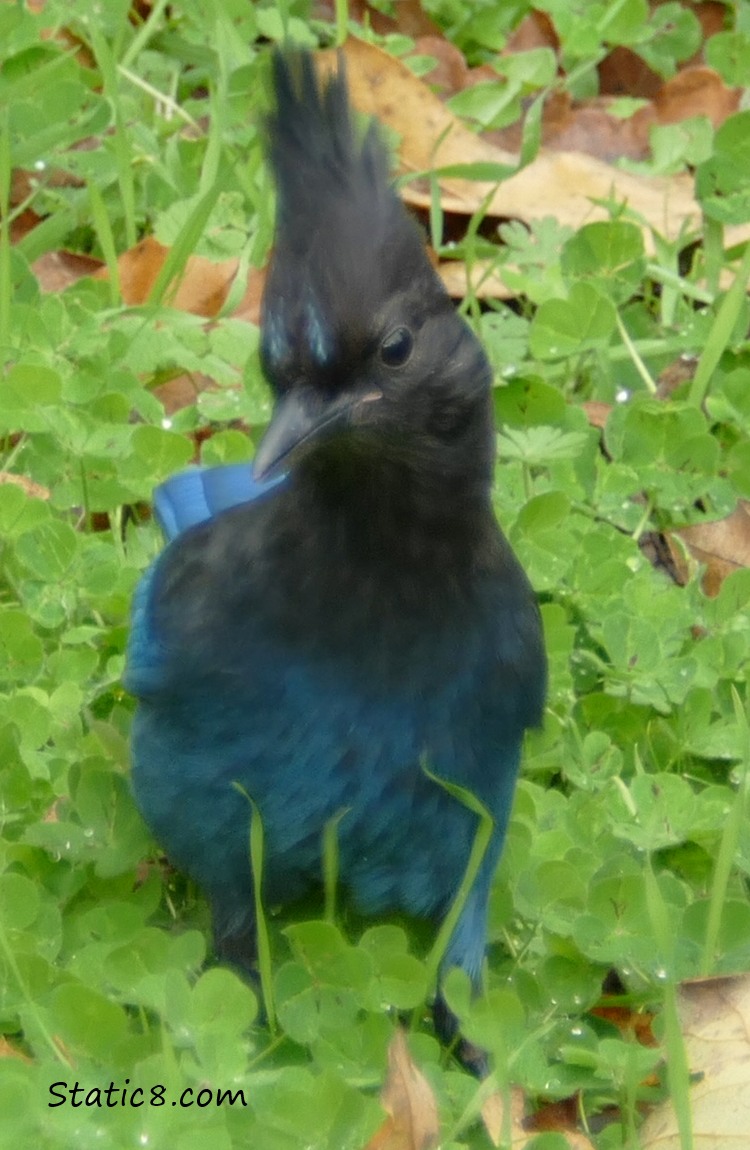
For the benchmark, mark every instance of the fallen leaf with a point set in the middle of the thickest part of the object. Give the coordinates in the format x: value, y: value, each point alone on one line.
x: 556, y: 1116
x: 431, y: 136
x: 712, y: 15
x: 412, y: 20
x: 697, y: 91
x: 675, y: 374
x: 597, y: 412
x: 409, y: 1102
x: 409, y: 18
x: 450, y: 72
x: 8, y: 1050
x: 55, y: 271
x: 182, y: 390
x: 201, y: 289
x: 35, y: 490
x: 535, y: 31
x: 521, y: 1129
x: 630, y: 1023
x: 591, y: 128
x: 566, y: 185
x: 715, y: 1017
x: 481, y: 280
x: 494, y: 1111
x: 624, y: 73
x: 249, y: 306
x: 22, y: 224
x: 722, y: 545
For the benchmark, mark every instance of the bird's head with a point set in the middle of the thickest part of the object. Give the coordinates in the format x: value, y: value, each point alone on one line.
x: 360, y: 341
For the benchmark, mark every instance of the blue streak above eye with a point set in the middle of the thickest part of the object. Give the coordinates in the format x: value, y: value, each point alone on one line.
x: 274, y: 340
x: 317, y: 334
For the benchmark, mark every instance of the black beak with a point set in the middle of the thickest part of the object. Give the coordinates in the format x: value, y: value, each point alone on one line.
x: 300, y: 420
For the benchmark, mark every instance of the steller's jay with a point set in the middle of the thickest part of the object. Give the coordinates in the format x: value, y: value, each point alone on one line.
x: 320, y: 628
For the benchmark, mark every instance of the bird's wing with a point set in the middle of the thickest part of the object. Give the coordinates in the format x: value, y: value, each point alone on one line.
x: 202, y: 493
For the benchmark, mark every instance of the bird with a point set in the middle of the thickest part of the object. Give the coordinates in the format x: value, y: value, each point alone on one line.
x: 342, y: 626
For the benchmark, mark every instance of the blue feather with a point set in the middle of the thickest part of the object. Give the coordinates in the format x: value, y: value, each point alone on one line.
x: 200, y: 493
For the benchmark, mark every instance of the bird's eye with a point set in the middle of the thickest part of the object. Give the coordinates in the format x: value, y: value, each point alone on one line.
x: 396, y: 347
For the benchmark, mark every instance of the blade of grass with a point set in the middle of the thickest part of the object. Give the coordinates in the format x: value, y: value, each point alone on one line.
x: 257, y: 854
x: 470, y: 305
x: 713, y: 251
x: 106, y: 239
x: 5, y: 274
x: 121, y: 138
x: 228, y: 52
x: 32, y: 1006
x: 638, y: 363
x: 728, y: 845
x: 342, y: 21
x: 678, y: 285
x: 629, y: 1099
x: 678, y: 1072
x: 48, y: 234
x: 143, y: 35
x: 720, y: 333
x: 477, y: 853
x: 177, y: 256
x: 331, y: 863
x: 531, y: 139
x: 25, y: 85
x: 167, y: 105
x: 436, y: 215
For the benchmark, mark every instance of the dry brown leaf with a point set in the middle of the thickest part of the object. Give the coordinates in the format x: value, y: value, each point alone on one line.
x: 57, y: 270
x: 723, y: 546
x: 481, y: 281
x: 715, y: 1016
x: 22, y: 224
x: 556, y: 1116
x: 409, y: 17
x: 412, y: 20
x: 201, y: 290
x: 493, y: 1116
x: 623, y: 73
x: 631, y: 1023
x: 591, y: 128
x: 249, y: 306
x: 450, y: 72
x: 182, y: 390
x: 712, y: 16
x: 676, y: 373
x: 563, y: 185
x: 24, y: 183
x: 8, y: 1050
x: 521, y: 1130
x: 431, y: 136
x: 407, y: 1097
x: 535, y: 31
x: 597, y: 412
x: 697, y: 91
x: 35, y: 490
